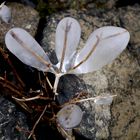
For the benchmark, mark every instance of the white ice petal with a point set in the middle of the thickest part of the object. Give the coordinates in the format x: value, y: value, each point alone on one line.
x: 105, y: 100
x: 69, y: 116
x: 110, y: 42
x: 25, y: 48
x: 68, y: 34
x: 5, y: 13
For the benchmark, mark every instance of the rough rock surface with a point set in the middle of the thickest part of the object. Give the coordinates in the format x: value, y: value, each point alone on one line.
x: 13, y: 122
x: 22, y: 16
x: 122, y: 77
x: 75, y: 4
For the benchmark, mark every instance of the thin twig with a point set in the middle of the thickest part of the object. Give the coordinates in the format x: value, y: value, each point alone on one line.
x: 11, y: 65
x: 12, y: 89
x: 24, y: 106
x: 37, y: 122
x: 30, y: 99
x: 57, y: 77
x: 8, y: 85
x: 67, y: 134
x: 48, y: 81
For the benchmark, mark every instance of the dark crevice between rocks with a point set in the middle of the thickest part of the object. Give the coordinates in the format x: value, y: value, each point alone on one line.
x: 124, y: 3
x: 45, y: 132
x: 25, y: 2
x: 40, y: 28
x: 111, y: 120
x: 134, y: 52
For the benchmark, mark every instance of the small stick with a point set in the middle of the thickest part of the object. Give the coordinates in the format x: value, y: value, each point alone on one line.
x: 67, y: 134
x: 92, y: 98
x: 37, y: 122
x: 11, y: 65
x: 57, y: 77
x: 30, y: 99
x: 49, y: 82
x: 10, y: 86
x: 24, y: 106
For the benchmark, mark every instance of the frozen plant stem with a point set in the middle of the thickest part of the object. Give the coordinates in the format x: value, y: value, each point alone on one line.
x: 57, y: 77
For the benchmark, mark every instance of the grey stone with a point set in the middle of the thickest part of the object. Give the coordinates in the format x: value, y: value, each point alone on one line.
x: 122, y: 77
x: 12, y: 122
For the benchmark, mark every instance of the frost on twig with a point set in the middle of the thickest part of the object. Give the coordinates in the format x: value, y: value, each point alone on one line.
x: 99, y: 100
